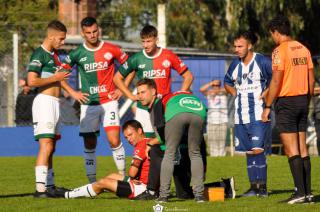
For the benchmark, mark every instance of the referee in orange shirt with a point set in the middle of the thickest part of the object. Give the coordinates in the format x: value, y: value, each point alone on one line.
x: 291, y: 87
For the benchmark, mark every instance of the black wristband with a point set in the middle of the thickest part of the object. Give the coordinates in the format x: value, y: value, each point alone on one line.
x: 267, y: 106
x: 149, y: 145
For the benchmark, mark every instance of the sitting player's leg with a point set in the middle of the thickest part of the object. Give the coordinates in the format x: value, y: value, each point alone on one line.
x: 111, y: 124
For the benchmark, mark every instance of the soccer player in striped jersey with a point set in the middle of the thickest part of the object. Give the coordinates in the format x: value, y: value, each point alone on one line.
x: 247, y: 79
x: 95, y: 60
x: 44, y: 73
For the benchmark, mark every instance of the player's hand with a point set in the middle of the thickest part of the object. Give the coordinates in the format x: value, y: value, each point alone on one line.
x: 264, y: 94
x: 148, y: 148
x: 134, y: 97
x: 61, y: 75
x: 136, y: 182
x: 265, y: 115
x: 115, y: 95
x: 80, y: 97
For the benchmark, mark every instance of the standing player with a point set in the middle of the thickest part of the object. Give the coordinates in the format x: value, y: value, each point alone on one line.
x: 43, y: 72
x: 95, y: 61
x: 155, y: 63
x: 247, y: 79
x: 292, y: 85
x: 124, y: 186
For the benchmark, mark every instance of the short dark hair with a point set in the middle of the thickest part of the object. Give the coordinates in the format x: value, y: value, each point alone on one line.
x: 132, y: 123
x: 57, y: 25
x: 248, y: 35
x: 148, y: 31
x: 88, y: 21
x: 146, y: 81
x: 281, y: 24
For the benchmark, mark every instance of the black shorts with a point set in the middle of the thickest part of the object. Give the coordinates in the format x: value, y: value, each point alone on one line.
x: 123, y: 189
x: 291, y: 114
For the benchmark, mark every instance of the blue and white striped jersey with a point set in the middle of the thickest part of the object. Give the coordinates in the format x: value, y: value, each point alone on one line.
x: 249, y: 81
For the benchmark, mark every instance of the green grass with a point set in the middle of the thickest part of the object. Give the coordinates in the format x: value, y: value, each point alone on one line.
x: 17, y: 186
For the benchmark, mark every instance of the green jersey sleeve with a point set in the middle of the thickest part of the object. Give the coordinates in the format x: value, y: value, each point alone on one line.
x: 36, y: 63
x: 128, y: 67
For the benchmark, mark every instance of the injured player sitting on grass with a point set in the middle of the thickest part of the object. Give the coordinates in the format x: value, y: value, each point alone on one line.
x: 124, y: 186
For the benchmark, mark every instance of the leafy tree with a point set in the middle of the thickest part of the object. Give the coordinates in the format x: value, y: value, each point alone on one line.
x: 29, y: 19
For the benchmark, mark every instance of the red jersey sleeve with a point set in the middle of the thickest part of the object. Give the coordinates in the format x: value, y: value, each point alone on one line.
x: 177, y: 63
x: 120, y: 55
x: 139, y: 151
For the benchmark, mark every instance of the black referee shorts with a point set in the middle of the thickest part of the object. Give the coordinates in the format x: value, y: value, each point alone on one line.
x: 291, y: 114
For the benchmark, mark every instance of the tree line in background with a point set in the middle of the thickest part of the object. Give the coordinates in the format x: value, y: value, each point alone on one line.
x: 204, y: 24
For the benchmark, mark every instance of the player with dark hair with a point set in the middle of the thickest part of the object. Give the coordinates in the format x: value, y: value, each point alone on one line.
x: 291, y: 87
x: 95, y: 60
x: 247, y: 79
x: 44, y: 72
x: 171, y: 116
x: 124, y: 186
x: 155, y: 63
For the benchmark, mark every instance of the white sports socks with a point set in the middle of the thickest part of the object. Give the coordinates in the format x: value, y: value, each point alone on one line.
x: 119, y: 157
x: 84, y: 191
x: 41, y: 178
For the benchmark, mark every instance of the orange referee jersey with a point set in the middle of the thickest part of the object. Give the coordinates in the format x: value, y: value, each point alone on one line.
x: 294, y: 59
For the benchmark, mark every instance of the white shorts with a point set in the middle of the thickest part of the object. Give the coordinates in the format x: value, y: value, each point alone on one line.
x: 92, y: 115
x: 46, y: 117
x: 136, y: 189
x: 143, y: 116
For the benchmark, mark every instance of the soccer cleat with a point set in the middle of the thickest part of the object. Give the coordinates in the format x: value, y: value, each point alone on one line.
x: 229, y: 187
x: 45, y: 194
x: 295, y: 199
x: 252, y: 191
x: 145, y: 196
x: 57, y: 191
x: 309, y: 199
x: 262, y: 190
x: 199, y: 199
x: 162, y: 199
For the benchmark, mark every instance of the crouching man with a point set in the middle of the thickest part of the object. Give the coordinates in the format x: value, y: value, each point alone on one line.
x: 124, y: 186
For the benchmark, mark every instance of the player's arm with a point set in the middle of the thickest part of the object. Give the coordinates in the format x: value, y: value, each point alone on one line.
x: 205, y: 87
x: 311, y: 81
x: 35, y: 81
x: 231, y: 90
x: 77, y: 95
x: 123, y: 84
x: 134, y: 167
x: 187, y: 80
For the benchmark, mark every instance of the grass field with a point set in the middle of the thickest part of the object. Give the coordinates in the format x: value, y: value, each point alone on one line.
x: 17, y: 186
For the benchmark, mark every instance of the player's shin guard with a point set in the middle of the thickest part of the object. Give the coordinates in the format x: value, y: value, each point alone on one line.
x: 119, y: 157
x: 84, y: 191
x: 261, y: 167
x: 50, y: 178
x: 307, y: 174
x: 251, y: 168
x: 41, y: 178
x: 296, y: 167
x: 90, y: 163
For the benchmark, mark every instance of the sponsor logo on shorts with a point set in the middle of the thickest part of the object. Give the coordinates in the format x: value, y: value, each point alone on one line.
x: 191, y: 103
x: 236, y: 141
x: 50, y: 125
x: 255, y: 138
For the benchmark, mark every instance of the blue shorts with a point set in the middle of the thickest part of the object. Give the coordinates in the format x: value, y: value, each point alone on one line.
x: 251, y: 136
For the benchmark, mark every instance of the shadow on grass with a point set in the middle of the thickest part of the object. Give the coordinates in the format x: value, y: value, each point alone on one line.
x: 16, y: 195
x: 273, y: 192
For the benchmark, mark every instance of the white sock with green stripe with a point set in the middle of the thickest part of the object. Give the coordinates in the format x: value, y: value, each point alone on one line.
x: 41, y: 173
x: 84, y: 191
